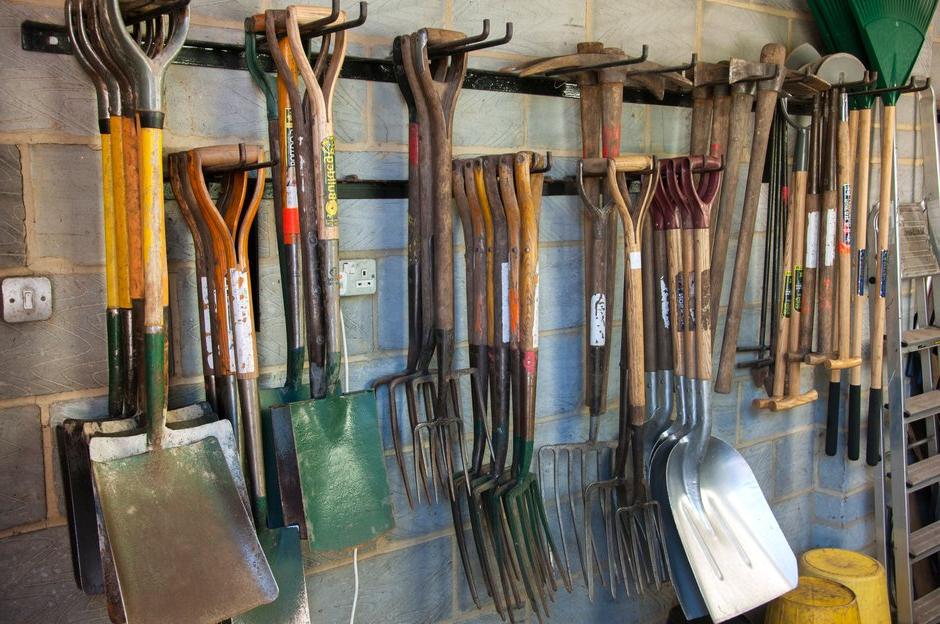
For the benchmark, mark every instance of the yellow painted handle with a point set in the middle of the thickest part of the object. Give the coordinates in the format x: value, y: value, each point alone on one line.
x: 154, y: 229
x: 119, y: 198
x: 107, y: 200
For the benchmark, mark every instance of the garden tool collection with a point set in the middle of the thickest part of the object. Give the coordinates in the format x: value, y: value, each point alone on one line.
x: 185, y: 467
x: 632, y: 529
x: 766, y: 103
x: 248, y: 475
x: 498, y: 200
x: 601, y: 74
x: 220, y: 236
x: 328, y: 430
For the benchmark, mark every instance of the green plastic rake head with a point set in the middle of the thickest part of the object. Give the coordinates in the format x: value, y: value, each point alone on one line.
x: 893, y: 32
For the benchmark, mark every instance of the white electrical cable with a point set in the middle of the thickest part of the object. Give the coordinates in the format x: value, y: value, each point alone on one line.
x: 352, y: 615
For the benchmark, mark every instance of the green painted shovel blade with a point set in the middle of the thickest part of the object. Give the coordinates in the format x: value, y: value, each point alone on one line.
x: 282, y: 549
x: 342, y: 468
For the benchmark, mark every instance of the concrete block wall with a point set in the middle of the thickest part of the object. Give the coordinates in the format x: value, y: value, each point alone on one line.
x: 50, y: 224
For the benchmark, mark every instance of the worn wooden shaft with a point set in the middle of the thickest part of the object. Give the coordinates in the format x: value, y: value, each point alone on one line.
x: 738, y: 133
x: 766, y: 104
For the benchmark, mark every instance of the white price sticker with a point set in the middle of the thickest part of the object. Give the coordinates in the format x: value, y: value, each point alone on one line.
x: 598, y: 320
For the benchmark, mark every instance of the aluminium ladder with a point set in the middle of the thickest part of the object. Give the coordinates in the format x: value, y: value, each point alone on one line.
x: 911, y: 421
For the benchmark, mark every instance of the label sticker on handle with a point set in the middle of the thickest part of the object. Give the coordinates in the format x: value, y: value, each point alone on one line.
x: 241, y: 323
x: 883, y: 291
x: 206, y: 320
x: 598, y: 336
x: 797, y: 288
x: 846, y: 242
x: 812, y: 240
x: 787, y: 293
x: 860, y: 271
x: 291, y: 209
x: 830, y: 257
x: 636, y: 260
x: 664, y: 300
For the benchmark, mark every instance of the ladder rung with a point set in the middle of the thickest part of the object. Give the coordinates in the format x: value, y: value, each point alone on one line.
x: 915, y: 444
x: 922, y: 406
x: 927, y: 608
x: 923, y: 473
x: 919, y: 339
x: 925, y: 541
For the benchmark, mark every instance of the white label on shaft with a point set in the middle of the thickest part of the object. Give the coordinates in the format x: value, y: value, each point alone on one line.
x: 598, y: 320
x: 636, y: 260
x: 228, y: 323
x: 206, y: 321
x: 664, y: 300
x: 535, y: 315
x: 241, y: 322
x: 830, y: 257
x: 812, y: 240
x: 505, y: 303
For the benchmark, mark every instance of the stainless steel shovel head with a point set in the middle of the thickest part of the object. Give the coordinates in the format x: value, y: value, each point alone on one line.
x: 739, y: 555
x: 175, y: 516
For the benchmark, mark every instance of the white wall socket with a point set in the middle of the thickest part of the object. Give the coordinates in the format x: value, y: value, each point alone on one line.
x: 357, y: 277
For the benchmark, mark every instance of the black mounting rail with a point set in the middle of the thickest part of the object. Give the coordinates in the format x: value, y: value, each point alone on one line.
x: 52, y: 38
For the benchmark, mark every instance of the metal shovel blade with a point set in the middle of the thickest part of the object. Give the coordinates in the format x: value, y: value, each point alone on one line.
x: 175, y: 516
x: 739, y: 555
x: 73, y: 437
x: 342, y: 469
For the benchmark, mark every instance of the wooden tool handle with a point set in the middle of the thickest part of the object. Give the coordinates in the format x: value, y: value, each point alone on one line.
x: 623, y: 164
x: 676, y: 304
x: 701, y: 119
x: 798, y: 209
x: 221, y: 157
x: 766, y: 104
x: 722, y: 221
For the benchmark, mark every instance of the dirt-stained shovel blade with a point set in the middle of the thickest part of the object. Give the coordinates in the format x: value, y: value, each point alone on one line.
x: 183, y: 503
x: 342, y: 469
x: 73, y: 437
x: 739, y: 555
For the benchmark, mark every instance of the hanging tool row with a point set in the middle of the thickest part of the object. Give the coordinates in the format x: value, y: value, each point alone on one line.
x: 253, y: 475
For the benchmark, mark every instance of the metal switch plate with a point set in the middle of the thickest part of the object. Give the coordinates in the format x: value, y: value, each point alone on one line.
x: 357, y: 277
x: 26, y: 299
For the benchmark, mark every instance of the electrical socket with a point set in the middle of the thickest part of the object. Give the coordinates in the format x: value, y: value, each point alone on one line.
x: 357, y: 277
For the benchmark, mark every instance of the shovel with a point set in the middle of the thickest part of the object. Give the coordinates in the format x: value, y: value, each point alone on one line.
x: 190, y: 475
x: 89, y: 551
x: 727, y: 528
x: 336, y: 436
x: 281, y: 546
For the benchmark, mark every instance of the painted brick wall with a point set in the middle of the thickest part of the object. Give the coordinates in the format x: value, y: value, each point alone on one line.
x: 50, y: 224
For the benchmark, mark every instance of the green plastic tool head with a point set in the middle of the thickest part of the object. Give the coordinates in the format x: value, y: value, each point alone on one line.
x: 893, y: 32
x: 841, y: 33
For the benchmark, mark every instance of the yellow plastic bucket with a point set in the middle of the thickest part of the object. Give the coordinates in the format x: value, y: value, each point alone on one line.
x: 814, y: 601
x: 860, y: 573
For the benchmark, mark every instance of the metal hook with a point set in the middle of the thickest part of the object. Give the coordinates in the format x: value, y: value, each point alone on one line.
x: 335, y: 28
x: 600, y: 210
x: 790, y: 119
x: 910, y: 87
x: 644, y: 54
x: 323, y: 21
x: 546, y: 168
x: 440, y: 49
x: 665, y: 70
x: 492, y: 43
